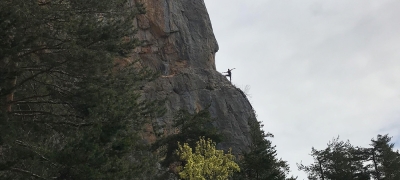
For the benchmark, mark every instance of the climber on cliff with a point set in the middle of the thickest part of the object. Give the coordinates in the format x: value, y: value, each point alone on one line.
x: 229, y: 73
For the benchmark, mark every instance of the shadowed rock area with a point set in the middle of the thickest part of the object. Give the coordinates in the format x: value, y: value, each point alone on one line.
x: 179, y: 43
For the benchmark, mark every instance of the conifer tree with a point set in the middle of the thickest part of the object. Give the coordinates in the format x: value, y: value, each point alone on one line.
x: 260, y: 162
x: 339, y: 161
x: 385, y: 162
x: 67, y: 110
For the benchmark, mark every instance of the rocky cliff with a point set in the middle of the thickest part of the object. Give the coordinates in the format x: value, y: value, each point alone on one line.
x: 179, y: 43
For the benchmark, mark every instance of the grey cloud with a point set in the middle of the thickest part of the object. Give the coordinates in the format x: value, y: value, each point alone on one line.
x: 317, y: 69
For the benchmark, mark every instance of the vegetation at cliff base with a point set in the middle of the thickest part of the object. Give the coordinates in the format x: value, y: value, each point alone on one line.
x: 260, y: 161
x: 186, y: 128
x: 205, y: 162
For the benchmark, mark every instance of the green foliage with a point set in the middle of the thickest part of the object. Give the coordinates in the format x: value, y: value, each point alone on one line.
x: 341, y: 161
x: 260, y: 162
x: 385, y: 161
x: 206, y: 162
x: 188, y: 128
x: 68, y: 111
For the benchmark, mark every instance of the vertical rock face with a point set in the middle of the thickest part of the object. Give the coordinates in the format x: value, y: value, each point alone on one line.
x: 179, y: 43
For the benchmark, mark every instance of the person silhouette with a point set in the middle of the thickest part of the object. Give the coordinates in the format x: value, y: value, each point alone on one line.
x: 229, y: 73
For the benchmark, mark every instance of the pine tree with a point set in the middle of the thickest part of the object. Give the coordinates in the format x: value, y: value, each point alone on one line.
x: 260, y: 162
x: 339, y: 161
x: 68, y: 111
x: 385, y: 162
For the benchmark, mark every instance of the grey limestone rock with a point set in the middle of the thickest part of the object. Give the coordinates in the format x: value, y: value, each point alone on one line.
x: 179, y: 43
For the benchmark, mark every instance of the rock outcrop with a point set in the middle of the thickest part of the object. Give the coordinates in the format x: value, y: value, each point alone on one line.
x: 179, y: 43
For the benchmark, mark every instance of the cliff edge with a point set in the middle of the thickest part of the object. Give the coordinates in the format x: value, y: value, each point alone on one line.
x: 180, y: 44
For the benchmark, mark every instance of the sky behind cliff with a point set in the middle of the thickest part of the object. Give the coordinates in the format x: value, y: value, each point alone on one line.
x: 316, y: 69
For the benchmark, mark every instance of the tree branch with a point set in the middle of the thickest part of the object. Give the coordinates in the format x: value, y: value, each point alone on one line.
x: 41, y: 49
x: 27, y: 172
x: 30, y: 78
x: 36, y: 113
x: 37, y: 102
x: 33, y: 97
x: 51, y: 71
x: 66, y: 123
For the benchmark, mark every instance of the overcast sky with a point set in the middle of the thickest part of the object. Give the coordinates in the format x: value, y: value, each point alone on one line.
x: 316, y: 68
